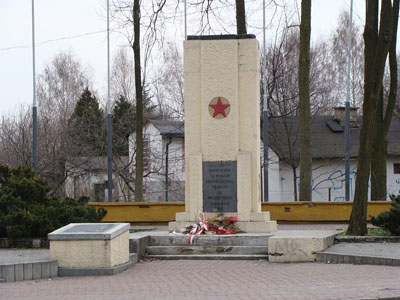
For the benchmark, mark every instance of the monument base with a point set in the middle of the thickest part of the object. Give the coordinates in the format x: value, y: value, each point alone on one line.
x: 257, y: 222
x: 246, y: 226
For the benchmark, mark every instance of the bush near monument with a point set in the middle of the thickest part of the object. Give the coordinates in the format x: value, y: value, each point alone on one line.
x: 27, y: 211
x: 390, y: 220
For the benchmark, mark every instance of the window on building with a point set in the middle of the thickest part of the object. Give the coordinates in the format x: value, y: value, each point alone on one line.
x: 396, y: 168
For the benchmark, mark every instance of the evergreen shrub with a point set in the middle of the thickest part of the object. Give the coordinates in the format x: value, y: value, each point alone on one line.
x: 26, y: 209
x: 390, y: 220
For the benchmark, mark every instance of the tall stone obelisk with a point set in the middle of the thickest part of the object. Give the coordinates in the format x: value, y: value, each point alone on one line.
x: 222, y: 131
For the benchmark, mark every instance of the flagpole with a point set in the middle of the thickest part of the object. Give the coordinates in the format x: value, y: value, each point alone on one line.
x: 109, y: 124
x: 34, y: 104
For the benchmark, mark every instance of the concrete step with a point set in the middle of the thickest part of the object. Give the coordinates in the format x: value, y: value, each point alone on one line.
x: 208, y: 257
x: 29, y: 270
x: 210, y: 240
x: 194, y: 250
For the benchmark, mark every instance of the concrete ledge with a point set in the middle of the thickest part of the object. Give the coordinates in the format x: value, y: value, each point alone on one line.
x: 298, y: 245
x: 257, y: 227
x: 208, y: 257
x: 182, y: 217
x: 367, y: 239
x: 260, y: 216
x: 29, y: 271
x: 138, y: 243
x: 62, y: 272
x: 336, y: 258
x: 178, y: 225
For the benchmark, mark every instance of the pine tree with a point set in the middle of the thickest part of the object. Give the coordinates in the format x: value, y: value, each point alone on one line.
x: 123, y: 121
x: 87, y: 126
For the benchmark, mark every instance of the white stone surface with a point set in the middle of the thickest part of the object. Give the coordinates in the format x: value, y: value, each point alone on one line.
x: 91, y: 253
x: 298, y: 245
x: 227, y: 68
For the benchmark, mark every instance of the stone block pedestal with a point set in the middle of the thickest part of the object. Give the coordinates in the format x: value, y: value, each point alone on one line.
x: 90, y: 248
x: 222, y: 132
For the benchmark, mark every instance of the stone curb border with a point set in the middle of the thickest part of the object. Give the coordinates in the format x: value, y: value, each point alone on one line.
x: 375, y: 298
x: 29, y: 271
x: 367, y: 239
x: 335, y: 258
x: 62, y: 272
x: 24, y: 243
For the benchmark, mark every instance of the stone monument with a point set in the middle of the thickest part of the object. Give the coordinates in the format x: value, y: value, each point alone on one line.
x: 91, y: 248
x: 222, y: 132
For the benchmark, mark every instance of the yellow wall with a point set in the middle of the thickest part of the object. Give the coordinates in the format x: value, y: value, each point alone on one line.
x: 140, y: 212
x: 319, y: 211
x: 153, y: 212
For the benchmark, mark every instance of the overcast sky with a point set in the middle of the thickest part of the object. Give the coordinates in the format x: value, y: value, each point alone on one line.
x: 79, y: 26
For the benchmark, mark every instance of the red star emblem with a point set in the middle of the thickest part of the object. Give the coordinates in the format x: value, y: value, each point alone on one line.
x: 219, y: 108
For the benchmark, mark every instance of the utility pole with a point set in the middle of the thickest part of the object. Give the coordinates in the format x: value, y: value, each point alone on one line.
x: 347, y: 111
x: 34, y: 105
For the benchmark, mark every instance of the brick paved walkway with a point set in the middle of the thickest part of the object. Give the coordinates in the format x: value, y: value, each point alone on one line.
x: 217, y: 280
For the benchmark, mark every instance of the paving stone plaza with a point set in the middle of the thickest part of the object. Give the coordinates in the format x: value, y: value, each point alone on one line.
x: 212, y: 280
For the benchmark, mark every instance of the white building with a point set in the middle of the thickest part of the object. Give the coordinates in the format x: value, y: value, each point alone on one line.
x: 164, y: 160
x: 328, y: 148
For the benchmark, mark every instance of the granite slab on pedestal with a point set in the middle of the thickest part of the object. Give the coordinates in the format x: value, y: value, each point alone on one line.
x: 91, y: 248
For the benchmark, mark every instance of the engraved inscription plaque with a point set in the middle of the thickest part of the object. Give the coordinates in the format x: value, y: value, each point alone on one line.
x: 219, y: 186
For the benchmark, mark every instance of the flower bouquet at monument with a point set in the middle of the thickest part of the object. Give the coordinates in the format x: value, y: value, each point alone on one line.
x: 225, y: 225
x: 199, y: 228
x: 220, y: 225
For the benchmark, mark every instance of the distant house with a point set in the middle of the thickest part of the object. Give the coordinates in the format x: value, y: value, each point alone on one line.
x: 165, y: 154
x: 164, y: 160
x: 328, y: 148
x: 88, y: 177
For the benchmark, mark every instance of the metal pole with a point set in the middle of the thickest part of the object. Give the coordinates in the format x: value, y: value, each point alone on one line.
x: 34, y: 105
x: 109, y: 124
x: 347, y: 126
x: 166, y: 168
x: 185, y: 20
x: 265, y: 115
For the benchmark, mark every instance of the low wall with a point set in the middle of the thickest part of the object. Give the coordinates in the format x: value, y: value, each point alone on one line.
x: 162, y: 212
x: 140, y: 212
x: 319, y: 211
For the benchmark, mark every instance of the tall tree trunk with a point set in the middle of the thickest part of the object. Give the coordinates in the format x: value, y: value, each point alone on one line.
x: 378, y: 168
x: 139, y: 103
x: 294, y: 184
x: 240, y: 17
x: 304, y: 103
x: 378, y: 162
x: 376, y: 50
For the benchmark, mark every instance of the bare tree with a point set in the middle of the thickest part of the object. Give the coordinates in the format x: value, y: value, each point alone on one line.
x: 16, y: 139
x: 385, y: 108
x: 378, y: 41
x: 123, y: 76
x: 168, y: 84
x: 338, y: 61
